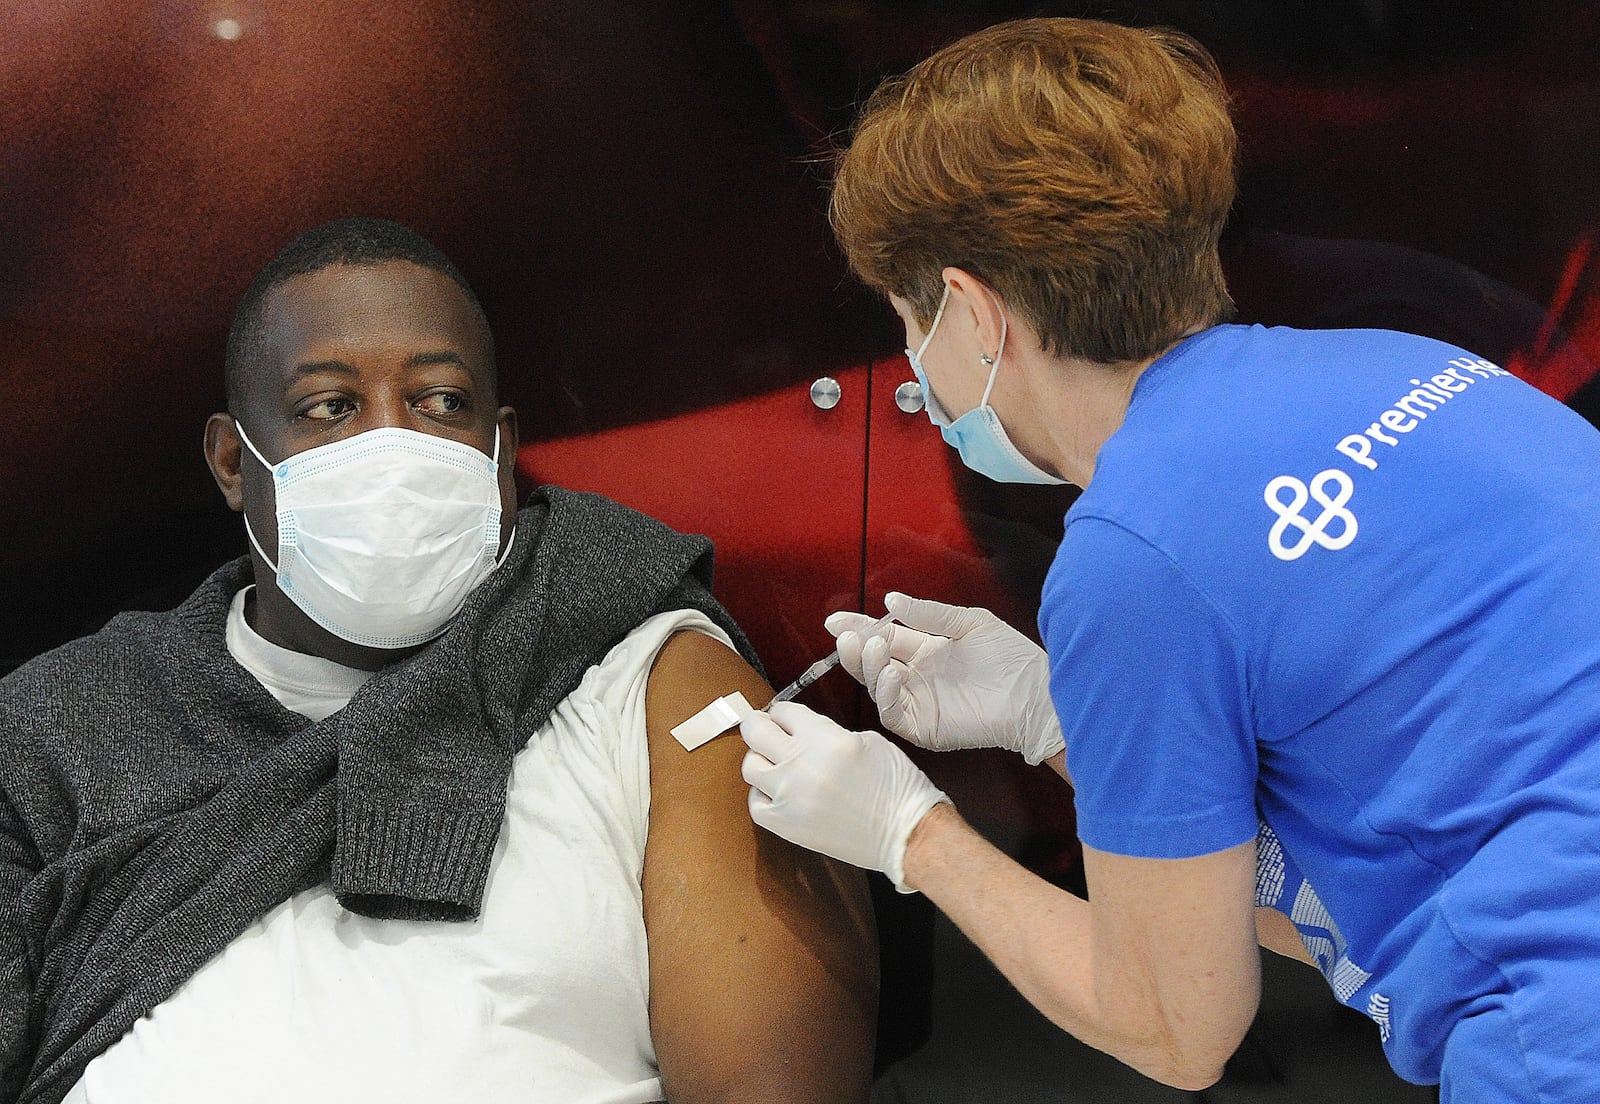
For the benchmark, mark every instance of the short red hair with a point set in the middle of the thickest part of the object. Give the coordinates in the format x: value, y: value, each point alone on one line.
x: 1082, y: 169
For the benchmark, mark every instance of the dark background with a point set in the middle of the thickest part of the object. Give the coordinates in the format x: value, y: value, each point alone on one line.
x: 637, y: 190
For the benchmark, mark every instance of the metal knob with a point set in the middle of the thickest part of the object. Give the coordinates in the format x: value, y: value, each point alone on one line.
x: 825, y: 393
x: 908, y: 396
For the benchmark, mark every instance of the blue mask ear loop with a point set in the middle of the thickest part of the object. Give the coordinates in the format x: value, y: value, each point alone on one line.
x: 272, y: 470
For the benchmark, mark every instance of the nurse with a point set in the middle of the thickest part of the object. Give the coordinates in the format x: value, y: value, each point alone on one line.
x: 1322, y: 638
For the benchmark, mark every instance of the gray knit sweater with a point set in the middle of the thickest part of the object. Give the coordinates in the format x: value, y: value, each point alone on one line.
x: 155, y: 800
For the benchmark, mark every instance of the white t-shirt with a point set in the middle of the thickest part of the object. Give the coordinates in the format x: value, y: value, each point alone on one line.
x: 544, y: 997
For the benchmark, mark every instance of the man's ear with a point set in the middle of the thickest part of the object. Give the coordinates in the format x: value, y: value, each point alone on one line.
x: 508, y: 433
x: 223, y: 452
x: 507, y: 420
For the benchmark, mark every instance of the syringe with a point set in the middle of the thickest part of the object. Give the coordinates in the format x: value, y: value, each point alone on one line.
x: 826, y: 663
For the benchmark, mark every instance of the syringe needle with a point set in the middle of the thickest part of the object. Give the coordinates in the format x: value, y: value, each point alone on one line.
x: 825, y: 664
x: 808, y: 676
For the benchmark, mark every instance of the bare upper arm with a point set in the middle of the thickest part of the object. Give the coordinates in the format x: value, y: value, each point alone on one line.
x: 1175, y: 945
x: 763, y: 958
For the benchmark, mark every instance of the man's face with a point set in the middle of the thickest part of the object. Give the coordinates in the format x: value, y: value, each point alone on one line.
x: 346, y: 350
x: 349, y: 349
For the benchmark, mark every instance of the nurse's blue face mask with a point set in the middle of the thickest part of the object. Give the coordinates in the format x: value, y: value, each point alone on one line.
x: 977, y: 435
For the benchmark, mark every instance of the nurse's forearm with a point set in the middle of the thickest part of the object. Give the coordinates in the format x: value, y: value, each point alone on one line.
x: 1042, y: 939
x: 1274, y: 931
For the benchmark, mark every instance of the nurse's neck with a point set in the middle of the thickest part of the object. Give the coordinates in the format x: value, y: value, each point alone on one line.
x: 1083, y: 403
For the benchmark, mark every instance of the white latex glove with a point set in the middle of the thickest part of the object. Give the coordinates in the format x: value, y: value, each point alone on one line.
x: 951, y: 677
x: 851, y: 795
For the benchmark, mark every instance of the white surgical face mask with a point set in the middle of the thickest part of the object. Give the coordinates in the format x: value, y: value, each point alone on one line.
x: 383, y: 536
x: 977, y: 435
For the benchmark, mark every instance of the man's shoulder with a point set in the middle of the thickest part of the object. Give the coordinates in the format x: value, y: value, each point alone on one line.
x: 62, y: 711
x: 576, y: 517
x: 612, y: 563
x: 106, y: 664
x: 123, y: 660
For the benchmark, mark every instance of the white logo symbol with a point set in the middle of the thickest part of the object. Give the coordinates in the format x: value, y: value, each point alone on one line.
x: 1315, y: 531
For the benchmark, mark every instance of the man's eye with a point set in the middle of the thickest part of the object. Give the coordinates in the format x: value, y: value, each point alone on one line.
x: 327, y: 408
x: 442, y: 402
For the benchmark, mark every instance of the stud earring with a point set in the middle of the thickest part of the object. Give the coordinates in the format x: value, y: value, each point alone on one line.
x: 988, y: 361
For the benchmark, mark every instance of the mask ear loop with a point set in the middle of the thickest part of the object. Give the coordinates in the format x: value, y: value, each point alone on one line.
x: 936, y: 413
x: 505, y: 553
x: 927, y: 338
x: 251, y: 533
x: 494, y: 467
x: 248, y: 531
x: 994, y: 365
x: 251, y: 445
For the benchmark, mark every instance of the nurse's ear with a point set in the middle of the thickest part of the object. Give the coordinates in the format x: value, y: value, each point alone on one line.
x: 980, y: 311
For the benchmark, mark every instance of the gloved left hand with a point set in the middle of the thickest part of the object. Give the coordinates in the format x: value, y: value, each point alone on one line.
x: 851, y: 795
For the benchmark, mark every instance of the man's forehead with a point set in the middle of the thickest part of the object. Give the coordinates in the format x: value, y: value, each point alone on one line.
x: 396, y: 305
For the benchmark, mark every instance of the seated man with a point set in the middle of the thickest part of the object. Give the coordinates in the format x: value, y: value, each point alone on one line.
x: 390, y: 810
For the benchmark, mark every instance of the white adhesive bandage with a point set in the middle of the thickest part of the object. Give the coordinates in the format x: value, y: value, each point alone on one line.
x: 713, y: 720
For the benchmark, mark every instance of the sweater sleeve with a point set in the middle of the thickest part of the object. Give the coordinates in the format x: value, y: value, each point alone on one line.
x: 17, y: 862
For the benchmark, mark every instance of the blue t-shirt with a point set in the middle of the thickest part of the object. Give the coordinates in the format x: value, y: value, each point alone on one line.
x: 1340, y: 591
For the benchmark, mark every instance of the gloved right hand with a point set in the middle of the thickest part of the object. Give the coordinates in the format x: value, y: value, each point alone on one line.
x: 949, y: 677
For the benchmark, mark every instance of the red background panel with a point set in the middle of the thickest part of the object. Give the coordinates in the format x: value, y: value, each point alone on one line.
x: 776, y: 483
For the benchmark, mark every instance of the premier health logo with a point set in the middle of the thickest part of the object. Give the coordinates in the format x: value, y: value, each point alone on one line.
x: 1335, y: 526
